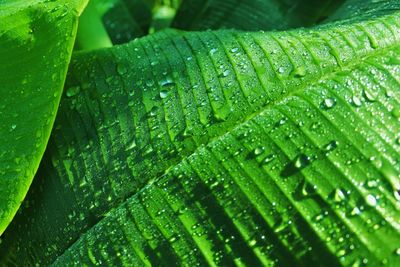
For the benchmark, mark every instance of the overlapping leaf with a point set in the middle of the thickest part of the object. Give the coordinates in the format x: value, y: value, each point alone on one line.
x: 36, y: 39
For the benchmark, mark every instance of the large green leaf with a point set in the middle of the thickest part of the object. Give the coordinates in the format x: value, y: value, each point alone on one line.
x: 225, y: 148
x: 36, y: 40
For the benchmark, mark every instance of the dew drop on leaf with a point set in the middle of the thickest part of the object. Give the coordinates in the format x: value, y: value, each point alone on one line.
x: 131, y: 145
x: 331, y: 146
x: 166, y: 82
x: 329, y: 103
x: 355, y: 211
x: 269, y: 158
x: 372, y: 184
x: 121, y: 69
x: 259, y: 150
x: 369, y: 96
x: 213, y: 51
x: 356, y: 101
x: 396, y: 113
x: 253, y: 243
x: 371, y: 200
x: 308, y: 189
x: 73, y: 91
x: 163, y: 94
x: 397, y: 194
x: 150, y: 82
x: 225, y: 73
x: 338, y: 195
x: 301, y: 161
x: 153, y: 111
x: 281, y: 70
x: 341, y: 253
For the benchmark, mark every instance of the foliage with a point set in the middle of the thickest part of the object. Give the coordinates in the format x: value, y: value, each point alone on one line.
x: 240, y: 145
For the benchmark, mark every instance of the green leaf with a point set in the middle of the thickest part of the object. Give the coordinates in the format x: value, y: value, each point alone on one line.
x: 252, y: 15
x: 92, y: 33
x: 224, y: 148
x: 36, y: 39
x: 120, y: 21
x: 127, y: 20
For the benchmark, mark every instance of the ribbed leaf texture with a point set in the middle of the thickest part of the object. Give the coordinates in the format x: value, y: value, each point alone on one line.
x: 225, y: 148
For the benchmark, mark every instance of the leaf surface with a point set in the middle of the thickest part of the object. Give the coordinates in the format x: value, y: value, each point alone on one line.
x: 224, y: 148
x: 36, y: 39
x: 251, y: 15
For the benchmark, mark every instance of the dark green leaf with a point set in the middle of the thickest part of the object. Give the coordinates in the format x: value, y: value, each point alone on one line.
x: 252, y: 15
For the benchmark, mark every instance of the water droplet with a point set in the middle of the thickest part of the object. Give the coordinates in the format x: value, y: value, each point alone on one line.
x: 73, y: 91
x: 329, y: 103
x: 338, y: 195
x: 371, y: 200
x: 372, y: 183
x: 213, y: 51
x: 150, y: 83
x: 153, y: 111
x: 356, y: 101
x: 269, y: 158
x: 234, y: 50
x: 259, y: 150
x: 341, y: 253
x: 225, y: 73
x: 301, y: 161
x: 396, y: 113
x: 369, y: 96
x: 282, y: 121
x: 308, y: 189
x: 331, y: 146
x: 253, y: 243
x: 163, y: 94
x: 355, y: 211
x: 397, y: 251
x: 167, y: 82
x: 376, y: 161
x: 131, y: 145
x: 281, y: 70
x: 320, y: 217
x: 121, y: 69
x: 172, y: 239
x: 397, y: 194
x: 13, y: 126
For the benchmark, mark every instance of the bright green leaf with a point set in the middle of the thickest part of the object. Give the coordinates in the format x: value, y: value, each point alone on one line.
x: 36, y: 40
